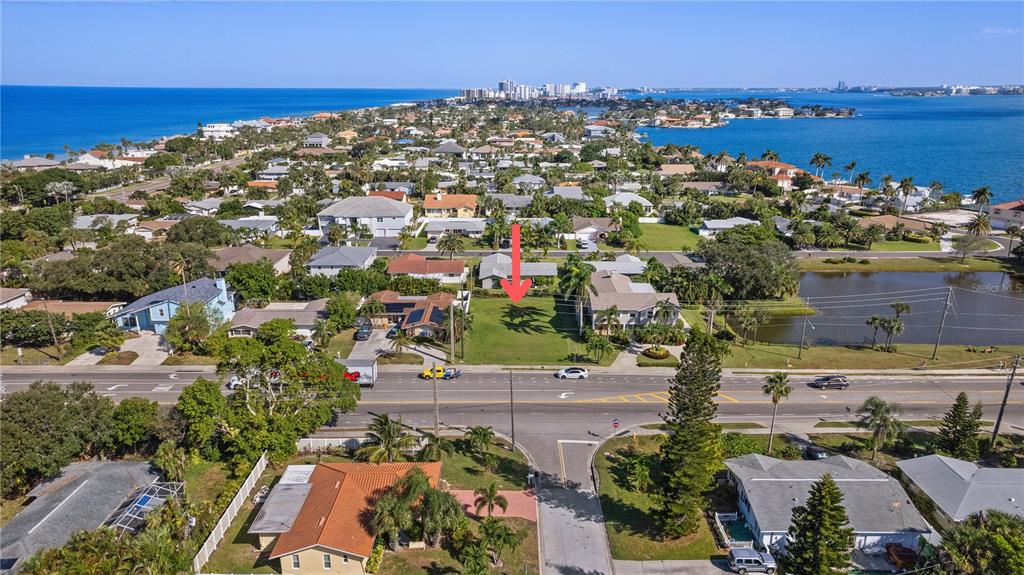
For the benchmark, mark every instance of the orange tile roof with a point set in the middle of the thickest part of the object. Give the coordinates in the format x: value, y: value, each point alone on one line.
x: 449, y: 201
x: 1017, y: 205
x: 271, y: 184
x: 417, y: 264
x: 771, y: 164
x: 334, y: 513
x: 70, y: 308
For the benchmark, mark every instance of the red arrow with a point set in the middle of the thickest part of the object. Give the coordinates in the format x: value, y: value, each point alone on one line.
x: 516, y: 288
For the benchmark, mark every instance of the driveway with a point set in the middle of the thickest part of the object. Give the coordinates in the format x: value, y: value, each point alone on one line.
x: 370, y: 348
x: 87, y: 358
x: 152, y: 349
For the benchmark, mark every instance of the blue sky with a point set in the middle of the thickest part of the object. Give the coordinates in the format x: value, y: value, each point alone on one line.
x: 451, y: 45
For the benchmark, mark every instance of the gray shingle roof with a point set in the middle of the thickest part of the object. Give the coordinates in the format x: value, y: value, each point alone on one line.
x: 462, y: 225
x: 366, y: 207
x: 261, y: 224
x: 513, y: 201
x: 528, y: 179
x: 202, y: 290
x: 87, y: 222
x: 727, y: 224
x: 568, y: 192
x: 874, y: 501
x: 342, y: 257
x: 449, y: 147
x: 961, y: 488
x: 499, y: 265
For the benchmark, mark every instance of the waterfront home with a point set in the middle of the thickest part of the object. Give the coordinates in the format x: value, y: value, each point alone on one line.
x: 442, y: 205
x: 250, y: 254
x: 153, y: 312
x: 384, y: 217
x: 638, y: 303
x: 1007, y: 214
x: 217, y: 131
x: 958, y: 489
x: 314, y: 519
x: 597, y: 132
x: 318, y: 140
x: 669, y: 170
x: 34, y: 163
x: 773, y: 168
x: 498, y: 266
x: 624, y: 199
x: 783, y: 112
x: 711, y: 228
x: 332, y: 259
x: 247, y: 321
x: 880, y: 511
x: 417, y: 266
x: 469, y: 227
x: 592, y: 229
x: 14, y: 298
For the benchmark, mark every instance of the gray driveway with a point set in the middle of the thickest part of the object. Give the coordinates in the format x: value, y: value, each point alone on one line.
x: 152, y: 349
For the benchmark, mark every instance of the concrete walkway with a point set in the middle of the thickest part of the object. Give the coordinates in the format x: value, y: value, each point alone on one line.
x: 694, y: 567
x: 87, y: 358
x: 152, y: 349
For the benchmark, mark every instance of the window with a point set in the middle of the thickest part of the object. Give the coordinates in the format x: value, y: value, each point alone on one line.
x: 327, y: 561
x: 379, y: 220
x: 161, y: 312
x: 295, y: 561
x: 344, y: 558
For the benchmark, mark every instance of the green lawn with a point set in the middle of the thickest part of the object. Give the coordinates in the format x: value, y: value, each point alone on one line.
x: 204, y: 480
x: 9, y: 508
x: 440, y: 561
x: 189, y: 359
x: 906, y: 356
x: 644, y: 361
x: 118, y: 358
x: 342, y: 343
x: 404, y: 358
x: 913, y: 264
x: 893, y: 246
x: 33, y: 356
x: 627, y: 513
x: 665, y: 237
x: 724, y: 425
x: 417, y: 243
x: 907, y: 422
x: 535, y: 331
x: 237, y: 551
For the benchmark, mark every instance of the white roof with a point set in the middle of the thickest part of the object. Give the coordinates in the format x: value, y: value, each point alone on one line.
x: 727, y: 223
x: 626, y: 198
x: 366, y: 207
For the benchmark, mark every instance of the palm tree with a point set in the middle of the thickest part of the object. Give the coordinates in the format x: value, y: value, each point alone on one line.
x: 372, y: 307
x: 401, y: 342
x: 632, y: 244
x: 770, y: 156
x: 439, y: 511
x: 451, y: 243
x: 598, y: 347
x: 982, y: 196
x: 1012, y: 231
x: 404, y: 237
x: 776, y: 386
x: 874, y: 322
x: 862, y: 179
x: 574, y: 284
x: 322, y: 333
x: 480, y: 436
x: 849, y: 168
x: 981, y: 225
x: 386, y: 441
x: 882, y: 420
x: 498, y: 538
x: 488, y: 497
x: 893, y: 327
x: 900, y: 308
x: 871, y: 234
x: 905, y: 188
x: 391, y: 516
x: 411, y: 486
x: 336, y: 234
x: 434, y: 448
x: 172, y: 460
x: 664, y: 311
x: 609, y: 318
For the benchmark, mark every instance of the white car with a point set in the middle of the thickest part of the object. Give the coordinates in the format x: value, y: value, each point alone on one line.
x: 572, y: 373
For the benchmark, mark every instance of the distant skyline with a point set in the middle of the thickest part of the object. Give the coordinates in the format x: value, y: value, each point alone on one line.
x: 461, y: 45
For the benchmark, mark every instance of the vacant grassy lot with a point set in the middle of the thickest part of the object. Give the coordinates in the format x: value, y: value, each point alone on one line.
x: 915, y: 264
x: 627, y: 513
x: 404, y: 358
x: 341, y: 344
x: 906, y: 356
x: 892, y: 246
x: 665, y: 237
x: 535, y: 331
x: 189, y: 359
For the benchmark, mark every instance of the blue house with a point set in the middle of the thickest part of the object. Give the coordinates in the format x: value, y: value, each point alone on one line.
x: 153, y: 312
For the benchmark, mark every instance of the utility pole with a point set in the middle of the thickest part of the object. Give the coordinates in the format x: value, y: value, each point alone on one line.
x: 451, y: 314
x: 512, y: 410
x: 437, y: 414
x: 942, y: 322
x: 803, y: 331
x: 53, y: 332
x: 1006, y: 396
x: 462, y: 321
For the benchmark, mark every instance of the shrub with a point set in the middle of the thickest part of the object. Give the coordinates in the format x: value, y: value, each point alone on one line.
x: 790, y: 452
x: 656, y: 352
x: 850, y: 260
x: 725, y: 335
x: 832, y: 261
x: 1007, y: 459
x: 376, y: 558
x: 915, y: 239
x: 864, y: 261
x: 738, y: 444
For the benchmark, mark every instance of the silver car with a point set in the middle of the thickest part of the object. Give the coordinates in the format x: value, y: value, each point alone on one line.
x: 573, y: 373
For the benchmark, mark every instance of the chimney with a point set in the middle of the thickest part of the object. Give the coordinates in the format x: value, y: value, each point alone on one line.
x: 438, y: 195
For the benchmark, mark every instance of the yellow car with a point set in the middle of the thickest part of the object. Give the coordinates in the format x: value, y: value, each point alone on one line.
x: 440, y: 372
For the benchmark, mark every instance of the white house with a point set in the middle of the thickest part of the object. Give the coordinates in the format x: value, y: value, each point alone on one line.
x: 624, y: 199
x: 207, y: 207
x: 13, y: 298
x: 217, y: 131
x: 318, y: 140
x: 383, y: 216
x: 711, y: 228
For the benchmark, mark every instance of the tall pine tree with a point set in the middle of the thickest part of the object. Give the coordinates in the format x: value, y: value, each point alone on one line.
x: 819, y: 539
x: 958, y: 435
x: 693, y: 450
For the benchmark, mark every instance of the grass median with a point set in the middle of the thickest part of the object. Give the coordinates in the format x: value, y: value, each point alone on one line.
x: 906, y: 356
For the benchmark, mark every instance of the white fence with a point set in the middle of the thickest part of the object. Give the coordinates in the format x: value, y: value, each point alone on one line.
x: 229, y: 515
x: 314, y: 444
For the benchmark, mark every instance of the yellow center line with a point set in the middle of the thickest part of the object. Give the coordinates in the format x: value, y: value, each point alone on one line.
x: 728, y: 397
x: 641, y: 398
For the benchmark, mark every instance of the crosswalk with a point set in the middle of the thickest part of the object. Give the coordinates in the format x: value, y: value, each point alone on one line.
x: 653, y: 397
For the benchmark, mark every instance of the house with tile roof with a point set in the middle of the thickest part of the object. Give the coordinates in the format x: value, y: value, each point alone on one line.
x: 959, y: 489
x: 70, y: 308
x: 442, y: 205
x: 417, y: 266
x: 397, y: 306
x: 624, y: 199
x: 250, y: 254
x: 153, y: 312
x: 1007, y: 214
x: 314, y: 519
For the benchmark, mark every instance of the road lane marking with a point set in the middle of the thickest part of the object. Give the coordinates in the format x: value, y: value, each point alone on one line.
x: 165, y: 387
x: 63, y: 501
x: 113, y: 387
x: 728, y: 397
x: 565, y: 394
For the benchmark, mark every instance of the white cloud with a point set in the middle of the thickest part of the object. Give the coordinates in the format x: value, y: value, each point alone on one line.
x: 1000, y: 31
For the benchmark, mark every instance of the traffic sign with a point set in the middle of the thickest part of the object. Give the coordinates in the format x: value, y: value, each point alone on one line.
x: 615, y: 423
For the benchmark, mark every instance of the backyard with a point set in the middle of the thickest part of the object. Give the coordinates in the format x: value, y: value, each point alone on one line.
x: 536, y: 331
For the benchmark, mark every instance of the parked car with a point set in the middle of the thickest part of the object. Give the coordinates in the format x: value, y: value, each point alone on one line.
x: 393, y: 332
x: 573, y: 373
x: 746, y: 560
x: 831, y: 382
x: 441, y: 372
x: 364, y: 332
x: 814, y: 452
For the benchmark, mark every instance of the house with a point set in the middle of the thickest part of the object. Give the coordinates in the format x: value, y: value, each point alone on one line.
x: 450, y: 147
x: 397, y: 196
x: 247, y: 321
x: 625, y: 264
x: 889, y: 221
x: 99, y: 220
x: 498, y: 266
x: 528, y: 182
x: 442, y: 205
x: 591, y: 229
x: 384, y: 217
x: 773, y: 167
x: 566, y: 192
x: 711, y: 228
x: 958, y: 489
x: 879, y: 510
x: 250, y: 254
x: 318, y: 140
x: 153, y: 312
x: 72, y: 308
x: 34, y: 163
x: 396, y: 305
x: 272, y: 172
x: 83, y: 496
x: 783, y: 112
x: 332, y: 259
x: 597, y: 132
x: 207, y: 207
x: 624, y: 199
x: 217, y: 131
x: 417, y: 266
x: 638, y: 303
x: 261, y: 206
x: 482, y: 152
x: 314, y: 519
x: 1007, y: 214
x: 513, y: 203
x: 100, y: 159
x: 404, y: 187
x: 14, y: 298
x: 553, y: 137
x: 254, y: 225
x: 469, y: 227
x: 669, y: 170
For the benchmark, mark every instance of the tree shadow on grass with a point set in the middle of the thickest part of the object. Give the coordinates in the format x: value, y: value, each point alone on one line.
x: 523, y: 319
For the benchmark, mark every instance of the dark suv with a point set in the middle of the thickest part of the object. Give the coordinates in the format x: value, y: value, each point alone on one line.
x: 364, y: 331
x: 831, y: 382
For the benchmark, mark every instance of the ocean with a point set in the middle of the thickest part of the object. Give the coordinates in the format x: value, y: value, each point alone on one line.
x: 965, y: 142
x: 41, y: 119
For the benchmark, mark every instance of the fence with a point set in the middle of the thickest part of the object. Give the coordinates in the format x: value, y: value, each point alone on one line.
x: 229, y: 515
x: 314, y: 444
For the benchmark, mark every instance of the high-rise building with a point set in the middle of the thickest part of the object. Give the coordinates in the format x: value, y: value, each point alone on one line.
x: 507, y: 86
x: 841, y: 86
x: 579, y: 88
